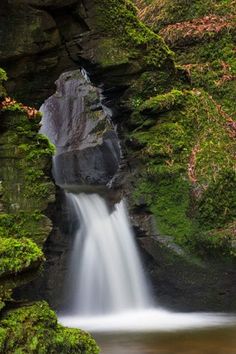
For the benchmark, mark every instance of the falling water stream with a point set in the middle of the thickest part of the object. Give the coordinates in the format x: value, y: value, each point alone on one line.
x: 106, y: 274
x: 106, y: 280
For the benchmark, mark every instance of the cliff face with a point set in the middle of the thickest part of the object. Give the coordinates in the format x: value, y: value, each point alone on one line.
x: 40, y: 40
x: 202, y: 204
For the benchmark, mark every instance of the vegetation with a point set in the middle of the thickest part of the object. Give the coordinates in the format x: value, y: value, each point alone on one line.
x: 187, y: 150
x: 3, y: 77
x: 186, y: 132
x: 18, y: 255
x: 25, y: 189
x: 126, y: 40
x: 160, y: 13
x: 34, y: 329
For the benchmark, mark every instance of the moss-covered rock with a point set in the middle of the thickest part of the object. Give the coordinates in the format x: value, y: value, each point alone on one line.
x: 25, y: 189
x: 18, y: 255
x: 132, y: 39
x: 202, y: 34
x: 187, y: 149
x: 34, y: 329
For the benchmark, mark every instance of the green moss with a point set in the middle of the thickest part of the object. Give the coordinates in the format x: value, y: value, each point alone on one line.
x: 167, y: 197
x: 126, y: 39
x: 212, y: 65
x: 3, y: 77
x: 161, y: 103
x: 217, y: 206
x: 217, y: 241
x: 26, y: 190
x: 159, y: 13
x: 34, y: 329
x: 18, y: 255
x: 180, y: 189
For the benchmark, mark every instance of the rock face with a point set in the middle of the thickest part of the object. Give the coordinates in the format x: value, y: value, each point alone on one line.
x: 42, y: 39
x: 78, y: 125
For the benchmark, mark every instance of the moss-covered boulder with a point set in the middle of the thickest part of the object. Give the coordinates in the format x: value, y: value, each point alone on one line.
x: 34, y: 329
x: 18, y: 255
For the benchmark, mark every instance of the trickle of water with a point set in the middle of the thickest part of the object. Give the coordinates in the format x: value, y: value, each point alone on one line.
x: 106, y: 275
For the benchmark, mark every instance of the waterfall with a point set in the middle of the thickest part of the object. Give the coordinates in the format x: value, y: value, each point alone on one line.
x: 106, y: 284
x: 106, y: 275
x: 106, y: 288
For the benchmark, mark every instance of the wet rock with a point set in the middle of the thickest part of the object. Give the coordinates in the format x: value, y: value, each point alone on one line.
x: 75, y: 121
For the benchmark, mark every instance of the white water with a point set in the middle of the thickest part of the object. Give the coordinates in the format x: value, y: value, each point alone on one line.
x: 105, y: 273
x: 107, y: 285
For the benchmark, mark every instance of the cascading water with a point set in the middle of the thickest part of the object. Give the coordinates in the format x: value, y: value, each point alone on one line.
x: 106, y: 281
x: 106, y: 284
x: 105, y: 273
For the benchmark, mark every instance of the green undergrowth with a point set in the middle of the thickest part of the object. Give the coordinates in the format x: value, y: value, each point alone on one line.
x: 188, y: 175
x: 34, y: 329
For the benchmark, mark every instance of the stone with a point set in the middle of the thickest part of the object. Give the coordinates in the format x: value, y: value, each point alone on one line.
x: 75, y: 120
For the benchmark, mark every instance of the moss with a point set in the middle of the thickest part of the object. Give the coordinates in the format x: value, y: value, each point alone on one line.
x: 3, y: 77
x: 159, y: 13
x: 18, y: 255
x: 187, y: 152
x: 218, y: 241
x: 167, y: 197
x: 212, y: 65
x: 217, y: 206
x: 26, y: 190
x: 127, y: 40
x: 34, y: 329
x: 161, y: 103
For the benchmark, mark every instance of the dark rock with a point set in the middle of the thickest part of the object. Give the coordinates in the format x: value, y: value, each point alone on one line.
x: 182, y: 282
x: 75, y: 121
